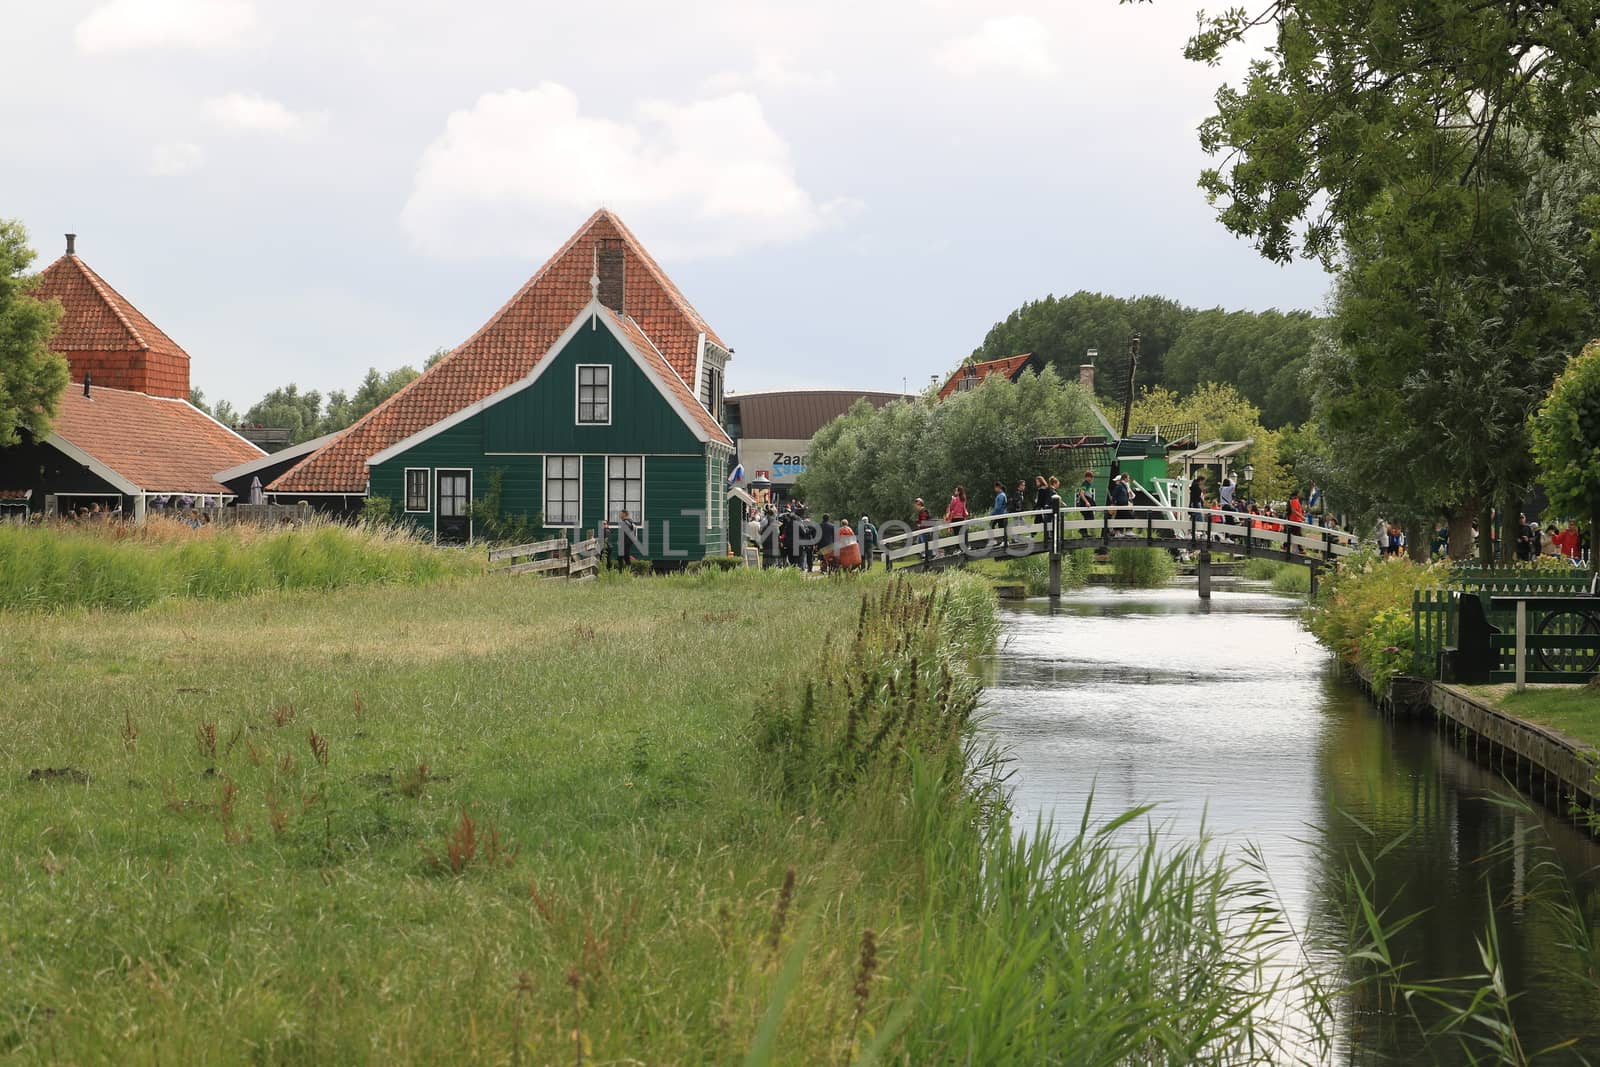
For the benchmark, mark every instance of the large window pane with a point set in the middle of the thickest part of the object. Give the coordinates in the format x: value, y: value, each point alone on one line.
x: 625, y: 487
x: 563, y: 491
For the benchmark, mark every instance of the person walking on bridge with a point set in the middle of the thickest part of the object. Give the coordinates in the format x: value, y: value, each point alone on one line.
x: 1297, y: 510
x: 1197, y: 491
x: 1084, y: 498
x: 956, y: 511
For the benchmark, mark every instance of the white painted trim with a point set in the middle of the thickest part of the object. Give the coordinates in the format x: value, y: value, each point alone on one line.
x: 99, y: 469
x: 605, y: 517
x: 450, y: 421
x: 513, y: 453
x: 269, y: 458
x: 577, y: 392
x: 700, y: 366
x: 544, y: 490
x: 289, y: 492
x: 594, y: 310
x: 434, y: 489
x: 405, y: 492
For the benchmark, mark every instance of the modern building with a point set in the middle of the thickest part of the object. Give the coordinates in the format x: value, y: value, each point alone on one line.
x: 970, y: 374
x: 126, y: 437
x: 773, y: 430
x: 595, y: 389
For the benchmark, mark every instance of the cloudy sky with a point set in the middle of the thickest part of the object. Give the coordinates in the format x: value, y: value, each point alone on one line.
x: 851, y: 193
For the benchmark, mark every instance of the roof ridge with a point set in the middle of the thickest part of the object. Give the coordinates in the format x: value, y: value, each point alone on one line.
x: 660, y: 276
x: 113, y: 299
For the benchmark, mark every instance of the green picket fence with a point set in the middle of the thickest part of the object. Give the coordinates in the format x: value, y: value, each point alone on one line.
x: 1516, y: 581
x: 1433, y: 626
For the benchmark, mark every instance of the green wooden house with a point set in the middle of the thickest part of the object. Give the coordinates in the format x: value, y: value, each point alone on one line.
x: 573, y: 404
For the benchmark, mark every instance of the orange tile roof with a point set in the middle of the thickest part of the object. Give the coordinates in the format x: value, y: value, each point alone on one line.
x: 507, y: 347
x: 677, y: 385
x: 103, y: 334
x: 1010, y: 367
x: 160, y: 444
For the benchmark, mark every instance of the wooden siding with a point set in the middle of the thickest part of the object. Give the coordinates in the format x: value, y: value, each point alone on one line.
x: 543, y: 418
x: 513, y: 437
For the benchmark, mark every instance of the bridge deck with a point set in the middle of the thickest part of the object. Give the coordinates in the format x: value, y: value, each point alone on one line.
x: 1194, y: 529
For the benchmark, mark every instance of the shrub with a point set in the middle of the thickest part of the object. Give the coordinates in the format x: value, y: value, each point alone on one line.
x: 1143, y: 568
x: 1033, y: 572
x: 1292, y: 578
x: 1260, y: 570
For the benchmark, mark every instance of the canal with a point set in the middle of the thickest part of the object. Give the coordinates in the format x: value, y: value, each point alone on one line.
x: 1229, y: 716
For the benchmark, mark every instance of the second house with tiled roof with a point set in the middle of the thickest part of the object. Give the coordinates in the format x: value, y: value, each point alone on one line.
x: 596, y: 389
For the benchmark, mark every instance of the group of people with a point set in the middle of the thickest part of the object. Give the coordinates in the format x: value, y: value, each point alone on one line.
x: 1567, y: 542
x: 789, y: 537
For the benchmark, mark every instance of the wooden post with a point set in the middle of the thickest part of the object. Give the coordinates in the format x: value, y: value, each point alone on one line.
x: 1055, y: 552
x: 1522, y: 645
x: 1203, y: 572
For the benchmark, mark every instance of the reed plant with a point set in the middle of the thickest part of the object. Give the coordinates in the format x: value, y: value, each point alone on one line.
x: 1142, y: 568
x: 125, y: 567
x: 1292, y: 578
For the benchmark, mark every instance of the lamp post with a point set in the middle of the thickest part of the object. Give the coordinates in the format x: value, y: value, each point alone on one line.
x: 1249, y: 476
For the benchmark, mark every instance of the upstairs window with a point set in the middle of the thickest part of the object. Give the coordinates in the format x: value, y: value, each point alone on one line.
x: 594, y: 395
x: 712, y: 393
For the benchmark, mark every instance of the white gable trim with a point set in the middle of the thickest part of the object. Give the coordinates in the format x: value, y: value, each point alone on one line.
x: 73, y: 452
x: 594, y: 312
x: 699, y: 366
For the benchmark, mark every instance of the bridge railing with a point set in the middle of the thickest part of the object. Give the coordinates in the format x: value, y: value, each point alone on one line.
x: 1029, y: 532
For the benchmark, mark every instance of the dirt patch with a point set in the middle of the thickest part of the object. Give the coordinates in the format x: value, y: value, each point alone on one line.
x: 59, y: 774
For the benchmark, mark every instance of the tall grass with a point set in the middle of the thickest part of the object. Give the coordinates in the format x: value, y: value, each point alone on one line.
x: 1142, y: 568
x: 1258, y: 569
x: 1292, y: 578
x: 127, y: 567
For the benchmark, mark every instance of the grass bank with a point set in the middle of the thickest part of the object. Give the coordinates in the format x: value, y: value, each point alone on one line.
x: 706, y: 818
x: 1570, y: 709
x: 125, y: 567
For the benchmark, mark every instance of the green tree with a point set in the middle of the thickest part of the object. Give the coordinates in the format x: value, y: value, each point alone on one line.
x: 375, y: 388
x: 1061, y: 330
x: 1353, y: 96
x: 1222, y: 415
x: 1566, y: 442
x: 287, y: 407
x: 32, y: 377
x: 877, y: 461
x: 1262, y: 354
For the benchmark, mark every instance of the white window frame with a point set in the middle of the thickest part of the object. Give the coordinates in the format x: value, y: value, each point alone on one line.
x: 636, y: 516
x: 577, y: 390
x: 544, y: 491
x: 405, y: 491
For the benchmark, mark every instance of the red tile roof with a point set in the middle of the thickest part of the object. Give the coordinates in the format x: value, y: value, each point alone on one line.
x: 102, y: 334
x: 160, y: 444
x: 675, y: 384
x: 508, y: 347
x: 1011, y: 367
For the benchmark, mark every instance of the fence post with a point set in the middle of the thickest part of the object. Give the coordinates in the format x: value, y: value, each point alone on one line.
x: 1522, y: 645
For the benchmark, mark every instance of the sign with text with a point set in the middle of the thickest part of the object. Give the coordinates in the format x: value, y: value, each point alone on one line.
x: 783, y: 461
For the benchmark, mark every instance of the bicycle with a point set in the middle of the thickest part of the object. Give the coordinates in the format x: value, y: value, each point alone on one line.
x: 1572, y: 622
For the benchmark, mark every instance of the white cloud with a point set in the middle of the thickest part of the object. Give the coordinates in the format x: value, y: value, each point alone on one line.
x: 126, y: 25
x: 175, y: 159
x: 770, y: 72
x: 516, y: 173
x: 1015, y: 44
x: 254, y: 113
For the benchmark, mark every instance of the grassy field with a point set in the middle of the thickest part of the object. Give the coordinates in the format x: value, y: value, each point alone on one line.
x: 1571, y: 709
x: 712, y: 818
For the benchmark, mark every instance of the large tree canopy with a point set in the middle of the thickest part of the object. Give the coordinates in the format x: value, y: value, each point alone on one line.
x: 1261, y: 354
x: 876, y: 462
x: 304, y: 414
x: 32, y: 377
x: 1355, y: 95
x: 1566, y: 440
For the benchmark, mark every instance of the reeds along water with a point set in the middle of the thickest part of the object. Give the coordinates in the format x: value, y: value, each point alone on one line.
x: 120, y: 567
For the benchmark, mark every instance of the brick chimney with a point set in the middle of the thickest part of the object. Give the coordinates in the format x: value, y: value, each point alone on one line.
x: 609, y: 267
x: 1086, y: 375
x: 72, y: 244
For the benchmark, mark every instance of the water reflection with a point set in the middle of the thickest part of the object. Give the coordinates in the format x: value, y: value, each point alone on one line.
x: 1228, y: 716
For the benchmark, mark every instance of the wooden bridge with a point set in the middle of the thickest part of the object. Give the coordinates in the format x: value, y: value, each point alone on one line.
x: 1198, y: 530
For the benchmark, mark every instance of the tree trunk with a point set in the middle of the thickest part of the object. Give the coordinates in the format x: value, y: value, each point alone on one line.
x: 1458, y: 521
x: 1485, y: 536
x: 1419, y: 540
x: 1510, y: 529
